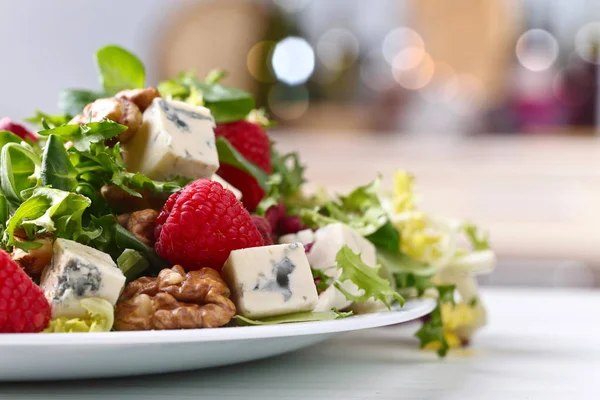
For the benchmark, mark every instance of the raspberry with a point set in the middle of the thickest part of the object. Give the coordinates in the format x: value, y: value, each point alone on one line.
x: 291, y: 224
x: 264, y: 228
x: 200, y: 225
x: 7, y: 125
x: 23, y: 307
x: 253, y: 143
x: 275, y: 214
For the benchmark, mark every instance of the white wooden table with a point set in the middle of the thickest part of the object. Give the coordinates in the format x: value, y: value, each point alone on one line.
x: 540, y: 344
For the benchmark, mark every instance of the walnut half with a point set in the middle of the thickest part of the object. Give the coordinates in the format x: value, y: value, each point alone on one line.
x: 175, y: 300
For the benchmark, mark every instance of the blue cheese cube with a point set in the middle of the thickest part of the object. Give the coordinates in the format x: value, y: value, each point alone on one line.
x: 175, y: 139
x: 270, y: 280
x: 328, y: 240
x: 77, y: 272
x: 228, y: 186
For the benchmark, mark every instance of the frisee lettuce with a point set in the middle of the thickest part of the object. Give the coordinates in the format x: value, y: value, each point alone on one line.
x: 365, y: 277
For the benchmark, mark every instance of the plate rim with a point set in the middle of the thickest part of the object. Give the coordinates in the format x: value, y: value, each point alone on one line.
x: 413, y: 309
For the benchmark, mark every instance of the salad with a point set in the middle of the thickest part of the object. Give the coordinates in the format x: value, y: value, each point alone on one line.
x: 169, y: 207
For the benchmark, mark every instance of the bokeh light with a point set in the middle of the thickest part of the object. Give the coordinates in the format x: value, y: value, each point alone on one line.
x: 587, y: 42
x: 537, y: 49
x: 376, y: 73
x: 259, y: 61
x: 293, y: 60
x: 288, y: 102
x: 292, y: 6
x: 471, y: 93
x: 337, y: 49
x: 398, y: 40
x: 444, y: 85
x: 414, y: 78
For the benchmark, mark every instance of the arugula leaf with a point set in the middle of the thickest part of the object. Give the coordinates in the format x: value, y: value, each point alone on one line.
x: 132, y: 263
x: 308, y: 316
x: 55, y: 120
x: 50, y: 210
x: 479, y: 241
x: 229, y: 155
x: 57, y: 170
x: 19, y: 170
x: 126, y: 240
x: 364, y: 277
x: 83, y: 136
x: 432, y: 331
x: 73, y: 101
x: 140, y: 181
x: 119, y: 69
x: 361, y: 210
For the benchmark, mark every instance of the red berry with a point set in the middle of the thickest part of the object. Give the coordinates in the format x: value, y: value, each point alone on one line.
x: 200, y: 225
x: 23, y: 307
x: 275, y: 214
x: 291, y: 224
x: 7, y: 125
x: 252, y: 142
x: 264, y: 228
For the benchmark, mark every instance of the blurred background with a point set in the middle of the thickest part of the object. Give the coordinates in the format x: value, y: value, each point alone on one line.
x: 494, y: 105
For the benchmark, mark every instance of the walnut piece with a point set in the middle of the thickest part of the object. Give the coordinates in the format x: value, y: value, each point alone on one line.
x: 140, y: 97
x: 35, y: 260
x: 141, y: 224
x: 119, y: 110
x: 175, y: 300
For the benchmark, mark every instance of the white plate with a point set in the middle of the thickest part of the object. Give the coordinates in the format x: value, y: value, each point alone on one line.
x: 98, y: 355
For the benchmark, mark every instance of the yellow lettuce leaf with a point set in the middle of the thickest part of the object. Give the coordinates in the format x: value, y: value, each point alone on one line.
x: 100, y: 318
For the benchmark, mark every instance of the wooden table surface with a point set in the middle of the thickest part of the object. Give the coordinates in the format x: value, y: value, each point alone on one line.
x: 540, y: 345
x: 539, y: 196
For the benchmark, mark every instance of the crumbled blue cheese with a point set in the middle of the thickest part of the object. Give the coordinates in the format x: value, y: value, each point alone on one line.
x: 175, y: 139
x: 77, y: 272
x: 270, y: 280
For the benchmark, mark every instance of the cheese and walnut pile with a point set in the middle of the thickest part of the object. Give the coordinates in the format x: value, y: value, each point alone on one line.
x: 167, y: 138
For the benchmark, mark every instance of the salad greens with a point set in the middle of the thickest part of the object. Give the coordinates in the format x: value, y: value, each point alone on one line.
x: 100, y: 318
x: 58, y: 185
x: 309, y: 316
x: 365, y: 277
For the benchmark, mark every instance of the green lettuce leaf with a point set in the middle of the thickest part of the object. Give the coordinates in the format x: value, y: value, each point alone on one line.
x: 364, y: 277
x: 83, y: 136
x: 295, y: 317
x: 229, y: 155
x: 57, y: 170
x: 48, y: 210
x: 8, y: 137
x: 119, y: 69
x: 20, y: 168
